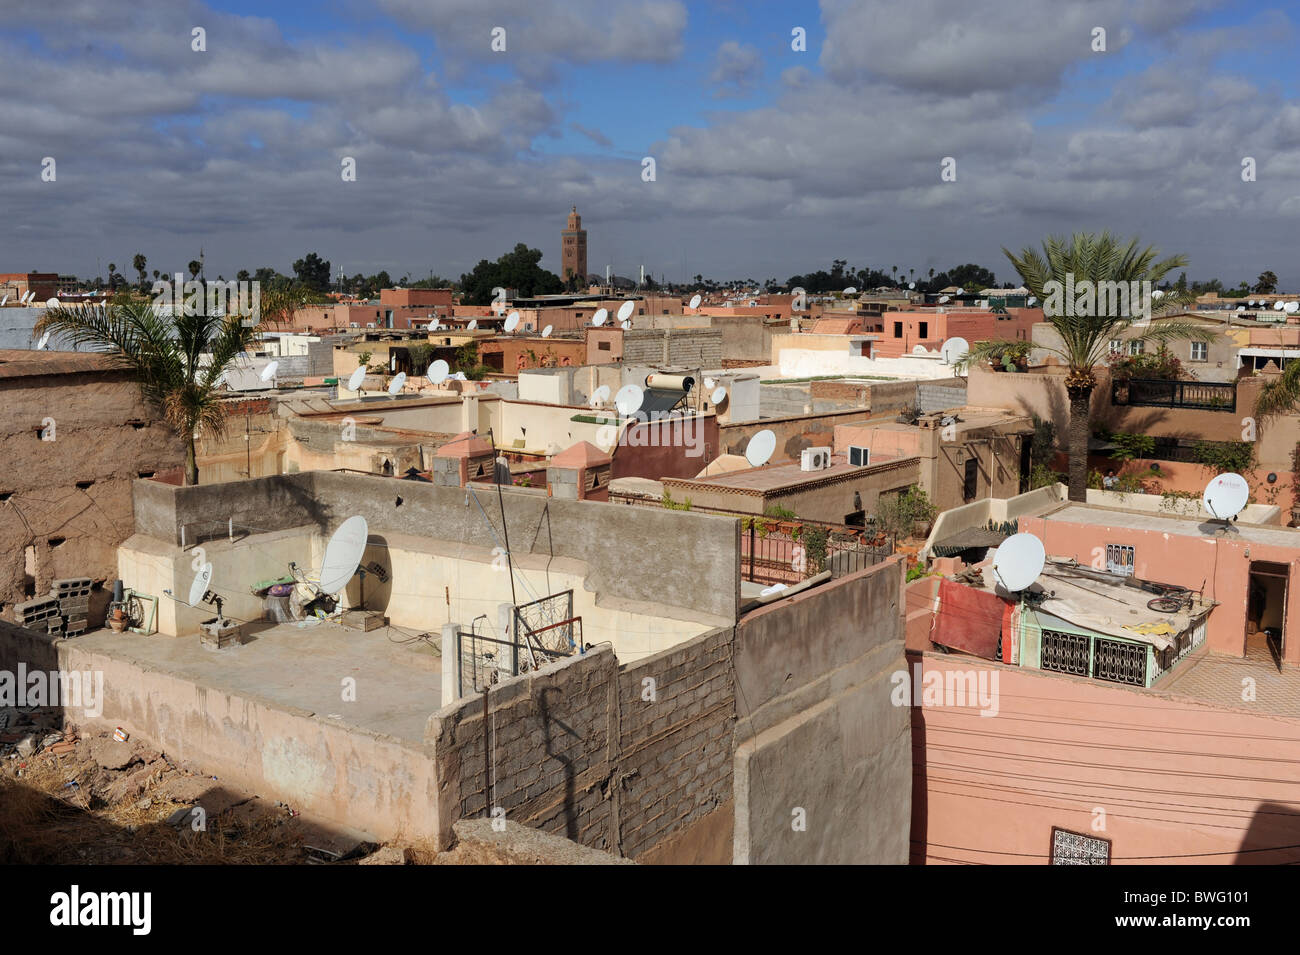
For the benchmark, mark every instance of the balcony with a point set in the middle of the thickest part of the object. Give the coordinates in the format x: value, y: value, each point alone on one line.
x: 1160, y: 393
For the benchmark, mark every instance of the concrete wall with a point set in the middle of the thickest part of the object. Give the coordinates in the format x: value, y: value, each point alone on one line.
x: 692, y: 347
x: 793, y: 433
x: 819, y: 741
x: 996, y: 509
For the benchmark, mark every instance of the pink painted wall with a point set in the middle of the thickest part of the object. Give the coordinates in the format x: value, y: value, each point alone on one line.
x: 1222, y: 564
x: 1174, y: 776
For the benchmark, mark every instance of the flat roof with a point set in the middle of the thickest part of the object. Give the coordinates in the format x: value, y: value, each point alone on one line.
x: 775, y: 477
x: 1185, y: 526
x: 29, y: 363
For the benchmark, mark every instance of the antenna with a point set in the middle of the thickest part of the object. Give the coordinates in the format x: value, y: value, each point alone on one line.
x: 954, y: 350
x: 1225, y: 496
x: 760, y: 448
x: 628, y: 400
x: 343, y: 554
x: 437, y: 372
x: 269, y: 371
x: 396, y: 385
x: 1018, y: 561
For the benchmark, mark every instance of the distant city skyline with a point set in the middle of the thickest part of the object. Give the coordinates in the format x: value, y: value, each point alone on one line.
x: 769, y: 161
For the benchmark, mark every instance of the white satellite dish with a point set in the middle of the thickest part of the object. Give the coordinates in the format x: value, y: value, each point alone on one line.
x: 269, y: 371
x: 512, y: 321
x: 1241, y: 308
x: 51, y: 303
x: 1018, y: 561
x: 4, y: 301
x: 954, y: 350
x: 437, y: 372
x: 600, y: 316
x: 760, y: 448
x: 709, y: 382
x: 1251, y: 303
x: 200, y: 585
x: 942, y: 299
x: 45, y: 339
x: 473, y: 324
x: 343, y: 554
x: 911, y: 285
x: 546, y: 332
x: 1031, y: 300
x: 850, y: 291
x: 625, y: 324
x: 599, y: 396
x: 626, y: 309
x: 397, y: 383
x: 1158, y: 294
x: 1291, y: 306
x: 628, y: 400
x: 1226, y: 495
x: 718, y: 395
x: 1279, y: 305
x: 695, y: 301
x: 357, y: 377
x: 773, y: 590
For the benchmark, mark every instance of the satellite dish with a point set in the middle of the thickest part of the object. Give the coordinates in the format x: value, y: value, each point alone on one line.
x: 1251, y: 302
x: 626, y: 309
x: 473, y: 324
x: 51, y: 303
x: 600, y: 316
x: 759, y: 450
x: 628, y: 400
x: 850, y: 291
x: 343, y: 554
x: 397, y: 383
x: 512, y: 321
x: 546, y: 332
x: 718, y: 395
x: 911, y: 285
x: 1158, y: 294
x: 40, y: 345
x: 4, y: 301
x: 1292, y: 306
x: 709, y: 383
x: 1241, y: 308
x: 269, y: 371
x: 625, y: 324
x: 954, y: 350
x: 1279, y: 305
x: 437, y: 372
x: 1018, y: 561
x: 1031, y: 300
x: 200, y: 585
x: 1226, y: 495
x: 358, y: 376
x: 773, y: 590
x: 599, y: 396
x: 695, y: 301
x: 942, y: 299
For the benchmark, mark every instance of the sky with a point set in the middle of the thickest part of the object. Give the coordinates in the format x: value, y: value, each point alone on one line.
x: 769, y: 160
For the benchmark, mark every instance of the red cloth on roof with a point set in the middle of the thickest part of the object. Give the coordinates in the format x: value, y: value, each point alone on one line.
x: 969, y: 620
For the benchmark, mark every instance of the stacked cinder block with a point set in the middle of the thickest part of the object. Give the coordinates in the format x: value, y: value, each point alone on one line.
x: 73, y: 595
x: 39, y: 613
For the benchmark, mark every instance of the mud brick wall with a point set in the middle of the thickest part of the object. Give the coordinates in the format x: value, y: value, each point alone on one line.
x: 675, y: 749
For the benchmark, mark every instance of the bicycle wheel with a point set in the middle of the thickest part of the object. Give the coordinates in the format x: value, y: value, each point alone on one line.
x: 1165, y: 604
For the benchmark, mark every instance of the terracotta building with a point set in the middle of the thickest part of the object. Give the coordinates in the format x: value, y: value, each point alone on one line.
x: 573, y: 255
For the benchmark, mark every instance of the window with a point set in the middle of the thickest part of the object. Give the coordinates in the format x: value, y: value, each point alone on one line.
x: 1136, y: 347
x: 970, y: 479
x: 925, y: 330
x: 1119, y: 662
x: 898, y: 329
x: 1119, y: 559
x: 1200, y: 351
x: 602, y: 346
x: 1064, y: 653
x: 1116, y: 346
x: 1074, y: 848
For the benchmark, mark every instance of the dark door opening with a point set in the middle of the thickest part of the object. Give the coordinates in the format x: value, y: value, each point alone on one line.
x: 1026, y: 451
x: 1266, y: 610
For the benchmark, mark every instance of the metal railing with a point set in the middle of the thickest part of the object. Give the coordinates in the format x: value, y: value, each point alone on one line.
x: 1161, y: 393
x: 484, y: 661
x: 779, y: 558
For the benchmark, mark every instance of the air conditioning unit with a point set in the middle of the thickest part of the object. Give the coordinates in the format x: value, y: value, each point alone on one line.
x: 354, y: 324
x: 815, y: 459
x: 370, y: 324
x: 859, y: 457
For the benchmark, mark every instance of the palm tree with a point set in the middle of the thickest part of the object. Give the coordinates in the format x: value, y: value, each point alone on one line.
x: 1281, y: 395
x: 163, y: 352
x: 1085, y: 338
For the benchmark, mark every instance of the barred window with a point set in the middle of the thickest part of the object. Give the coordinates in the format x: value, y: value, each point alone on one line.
x: 1074, y: 848
x: 1120, y: 662
x: 1065, y: 653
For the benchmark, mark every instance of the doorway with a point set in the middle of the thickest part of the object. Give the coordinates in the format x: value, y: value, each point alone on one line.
x: 1266, y: 595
